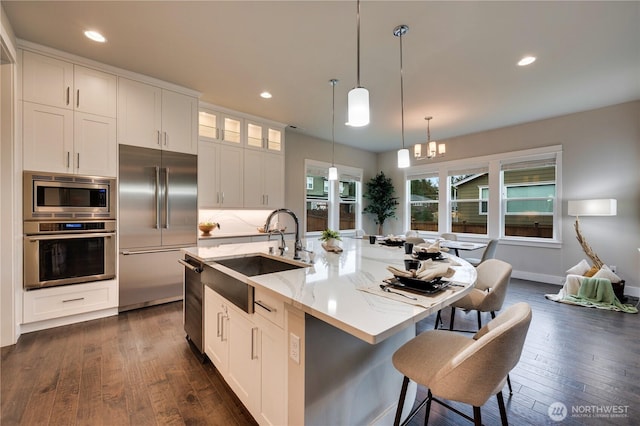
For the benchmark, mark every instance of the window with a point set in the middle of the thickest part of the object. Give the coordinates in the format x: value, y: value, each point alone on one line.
x: 347, y: 194
x: 423, y: 200
x: 529, y: 198
x: 510, y: 196
x: 317, y: 208
x: 468, y: 207
x: 334, y: 205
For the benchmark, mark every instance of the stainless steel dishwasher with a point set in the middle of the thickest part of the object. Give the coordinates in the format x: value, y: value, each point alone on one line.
x: 193, y: 299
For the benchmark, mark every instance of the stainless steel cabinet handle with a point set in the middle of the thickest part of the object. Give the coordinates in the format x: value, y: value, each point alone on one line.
x: 254, y: 345
x: 222, y: 200
x: 222, y: 337
x: 78, y: 99
x: 68, y: 93
x: 68, y: 158
x: 78, y: 161
x: 166, y: 138
x: 264, y: 306
x: 222, y: 133
x: 217, y: 133
x: 158, y: 137
x: 73, y: 300
x: 218, y: 332
x: 157, y: 197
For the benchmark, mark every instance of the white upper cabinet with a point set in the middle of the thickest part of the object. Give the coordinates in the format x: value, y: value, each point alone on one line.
x: 152, y: 117
x: 68, y: 118
x: 263, y: 180
x: 264, y: 137
x: 61, y: 84
x: 220, y: 175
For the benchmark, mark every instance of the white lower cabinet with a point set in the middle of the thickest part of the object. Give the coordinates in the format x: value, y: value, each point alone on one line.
x: 55, y: 302
x: 216, y: 330
x: 249, y: 352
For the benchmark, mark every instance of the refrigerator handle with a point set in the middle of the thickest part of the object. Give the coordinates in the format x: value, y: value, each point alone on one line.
x: 157, y: 194
x: 166, y: 198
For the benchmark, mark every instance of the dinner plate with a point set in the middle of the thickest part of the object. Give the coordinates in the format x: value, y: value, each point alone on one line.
x: 392, y: 243
x: 420, y: 286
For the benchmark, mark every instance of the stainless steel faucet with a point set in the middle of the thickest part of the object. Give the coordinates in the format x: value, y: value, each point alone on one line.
x: 298, y: 243
x: 283, y: 246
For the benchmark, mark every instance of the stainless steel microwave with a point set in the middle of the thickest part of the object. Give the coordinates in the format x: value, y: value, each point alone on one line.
x: 55, y: 196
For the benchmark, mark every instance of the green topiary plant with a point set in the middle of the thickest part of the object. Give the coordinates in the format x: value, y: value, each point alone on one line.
x: 382, y: 203
x: 329, y: 234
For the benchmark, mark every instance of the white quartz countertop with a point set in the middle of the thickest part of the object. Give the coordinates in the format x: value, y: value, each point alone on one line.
x: 329, y: 288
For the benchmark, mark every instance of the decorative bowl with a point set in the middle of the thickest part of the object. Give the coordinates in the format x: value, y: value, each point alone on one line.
x: 206, y: 228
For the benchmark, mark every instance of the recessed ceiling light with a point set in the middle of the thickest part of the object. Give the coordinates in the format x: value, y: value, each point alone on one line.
x: 95, y: 36
x: 265, y: 95
x: 527, y: 60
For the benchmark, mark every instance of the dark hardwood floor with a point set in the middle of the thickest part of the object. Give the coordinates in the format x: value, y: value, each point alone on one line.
x: 137, y: 369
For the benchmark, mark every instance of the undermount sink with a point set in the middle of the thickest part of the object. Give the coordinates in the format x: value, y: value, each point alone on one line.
x: 235, y: 288
x: 257, y: 265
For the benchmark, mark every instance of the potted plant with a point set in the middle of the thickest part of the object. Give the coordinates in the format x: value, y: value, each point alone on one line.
x: 330, y: 237
x: 207, y: 227
x: 382, y: 203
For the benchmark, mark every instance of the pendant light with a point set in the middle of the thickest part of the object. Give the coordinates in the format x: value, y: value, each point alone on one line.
x: 403, y: 154
x: 358, y: 98
x: 333, y: 171
x: 429, y: 149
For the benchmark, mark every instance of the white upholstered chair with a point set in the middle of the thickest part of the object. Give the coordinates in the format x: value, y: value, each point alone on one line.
x: 489, y: 253
x: 465, y: 369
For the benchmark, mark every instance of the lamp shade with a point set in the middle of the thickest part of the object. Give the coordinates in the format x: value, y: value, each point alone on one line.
x: 403, y: 158
x: 358, y: 100
x: 601, y: 207
x: 333, y: 173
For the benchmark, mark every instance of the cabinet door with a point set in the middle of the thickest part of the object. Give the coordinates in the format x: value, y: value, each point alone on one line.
x: 95, y: 91
x: 231, y: 176
x: 274, y: 139
x: 139, y: 114
x: 47, y: 138
x: 179, y: 122
x: 216, y: 330
x: 208, y: 194
x: 95, y: 145
x: 273, y: 386
x: 255, y: 136
x: 273, y: 179
x: 231, y: 129
x: 253, y: 179
x: 208, y: 125
x: 47, y: 81
x: 244, y: 362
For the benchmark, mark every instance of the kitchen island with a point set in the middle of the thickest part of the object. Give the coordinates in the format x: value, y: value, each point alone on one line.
x: 326, y: 347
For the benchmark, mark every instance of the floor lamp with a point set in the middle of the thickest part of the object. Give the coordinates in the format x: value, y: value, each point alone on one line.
x: 602, y: 207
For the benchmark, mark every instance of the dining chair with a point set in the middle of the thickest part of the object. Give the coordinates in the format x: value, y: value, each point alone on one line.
x: 415, y: 240
x: 449, y: 236
x: 487, y: 295
x: 465, y: 369
x: 489, y: 253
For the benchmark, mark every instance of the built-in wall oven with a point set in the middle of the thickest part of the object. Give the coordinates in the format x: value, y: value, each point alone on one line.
x: 69, y: 229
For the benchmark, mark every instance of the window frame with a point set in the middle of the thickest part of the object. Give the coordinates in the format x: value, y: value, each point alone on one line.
x: 333, y: 199
x: 496, y: 199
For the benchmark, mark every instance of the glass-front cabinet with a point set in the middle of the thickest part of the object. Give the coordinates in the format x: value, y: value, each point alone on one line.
x: 262, y: 136
x: 216, y: 126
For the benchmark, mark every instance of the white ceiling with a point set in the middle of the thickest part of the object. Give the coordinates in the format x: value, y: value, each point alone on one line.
x: 459, y: 57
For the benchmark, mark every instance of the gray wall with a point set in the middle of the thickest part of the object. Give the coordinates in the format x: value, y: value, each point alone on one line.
x: 601, y: 159
x: 300, y: 147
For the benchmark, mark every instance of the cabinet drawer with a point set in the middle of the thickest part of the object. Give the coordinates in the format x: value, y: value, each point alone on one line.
x: 269, y: 306
x: 48, y: 303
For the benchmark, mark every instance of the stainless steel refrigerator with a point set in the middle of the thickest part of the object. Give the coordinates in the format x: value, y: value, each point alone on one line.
x: 158, y: 193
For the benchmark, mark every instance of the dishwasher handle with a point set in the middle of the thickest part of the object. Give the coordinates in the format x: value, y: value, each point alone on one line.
x: 196, y: 269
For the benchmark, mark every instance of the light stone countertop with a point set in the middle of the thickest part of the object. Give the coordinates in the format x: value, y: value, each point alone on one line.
x: 328, y: 289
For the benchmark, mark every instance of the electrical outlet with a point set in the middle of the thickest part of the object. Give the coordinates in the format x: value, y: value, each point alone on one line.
x: 613, y: 268
x: 294, y: 348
